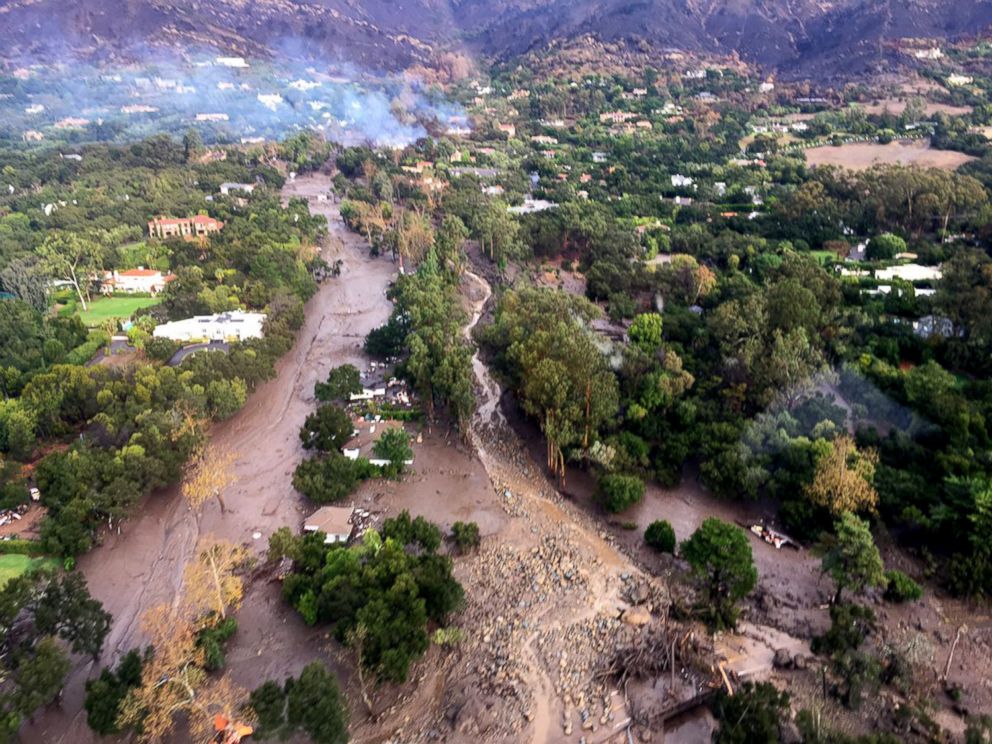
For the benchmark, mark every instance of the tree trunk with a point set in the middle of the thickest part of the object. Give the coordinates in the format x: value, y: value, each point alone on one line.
x: 217, y: 587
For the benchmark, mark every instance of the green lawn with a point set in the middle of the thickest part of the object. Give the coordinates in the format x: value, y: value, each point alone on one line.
x: 104, y: 308
x: 13, y: 565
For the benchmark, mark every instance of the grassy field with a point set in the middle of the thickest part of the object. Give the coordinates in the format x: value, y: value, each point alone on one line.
x: 13, y: 565
x: 104, y: 308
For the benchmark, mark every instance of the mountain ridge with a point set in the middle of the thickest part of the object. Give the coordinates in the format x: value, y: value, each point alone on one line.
x: 792, y: 38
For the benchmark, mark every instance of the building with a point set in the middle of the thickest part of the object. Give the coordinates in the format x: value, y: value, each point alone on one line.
x: 229, y: 186
x: 616, y: 117
x: 232, y: 326
x: 333, y: 521
x: 510, y: 130
x: 531, y: 206
x: 187, y: 228
x: 139, y: 280
x: 909, y: 273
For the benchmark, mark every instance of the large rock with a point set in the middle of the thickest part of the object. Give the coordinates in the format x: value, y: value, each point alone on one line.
x: 783, y: 659
x: 636, y: 616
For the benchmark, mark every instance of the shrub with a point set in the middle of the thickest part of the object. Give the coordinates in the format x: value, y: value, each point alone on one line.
x: 660, y: 536
x: 21, y: 547
x: 619, y: 492
x: 465, y: 535
x: 884, y: 246
x: 901, y: 588
x: 751, y: 715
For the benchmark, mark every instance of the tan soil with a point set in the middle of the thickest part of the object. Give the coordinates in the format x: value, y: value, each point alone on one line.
x: 896, y: 106
x: 863, y: 155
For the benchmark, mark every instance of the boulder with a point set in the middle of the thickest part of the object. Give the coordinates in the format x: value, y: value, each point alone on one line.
x: 783, y: 659
x: 636, y: 616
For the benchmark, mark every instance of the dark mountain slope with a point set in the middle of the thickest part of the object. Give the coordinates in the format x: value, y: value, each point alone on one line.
x: 796, y: 38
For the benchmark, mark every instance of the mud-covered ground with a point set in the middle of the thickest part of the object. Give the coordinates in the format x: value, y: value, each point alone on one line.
x: 545, y: 592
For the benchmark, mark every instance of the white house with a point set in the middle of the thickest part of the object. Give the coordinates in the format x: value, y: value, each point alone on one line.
x: 333, y: 521
x: 909, y: 273
x: 139, y: 280
x: 680, y: 181
x: 228, y: 187
x: 232, y: 326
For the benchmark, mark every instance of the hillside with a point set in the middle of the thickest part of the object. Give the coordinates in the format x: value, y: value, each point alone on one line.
x: 795, y: 38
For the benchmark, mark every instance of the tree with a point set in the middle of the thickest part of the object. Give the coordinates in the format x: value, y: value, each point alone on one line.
x: 174, y: 681
x: 686, y: 279
x: 105, y: 694
x: 192, y: 144
x: 617, y: 493
x: 884, y: 247
x: 393, y: 446
x: 660, y: 536
x: 842, y: 480
x: 23, y: 279
x: 721, y: 560
x: 211, y: 473
x: 332, y: 477
x: 37, y: 608
x: 751, y: 715
x: 465, y: 535
x: 72, y: 258
x: 449, y: 243
x: 645, y: 332
x: 210, y: 584
x: 853, y: 562
x: 314, y: 704
x: 327, y: 429
x: 341, y: 382
x: 311, y: 703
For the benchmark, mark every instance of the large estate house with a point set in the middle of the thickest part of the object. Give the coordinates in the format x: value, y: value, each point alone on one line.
x: 188, y: 228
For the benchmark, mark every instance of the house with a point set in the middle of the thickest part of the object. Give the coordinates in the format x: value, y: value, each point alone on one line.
x: 599, y: 157
x: 959, y: 80
x: 530, y: 206
x: 231, y: 326
x: 616, y: 117
x: 508, y: 129
x: 139, y: 280
x: 229, y: 186
x: 909, y: 273
x: 212, y: 117
x: 333, y: 521
x: 680, y: 181
x: 543, y: 139
x: 187, y: 228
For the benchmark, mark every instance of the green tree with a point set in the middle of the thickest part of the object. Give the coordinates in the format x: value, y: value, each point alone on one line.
x: 660, y: 536
x: 721, y: 560
x: 314, y: 704
x: 393, y: 446
x: 853, y: 561
x: 341, y: 382
x: 327, y: 429
x: 751, y: 715
x: 645, y: 332
x: 105, y: 693
x: 72, y: 258
x: 465, y: 535
x: 884, y: 247
x: 617, y: 493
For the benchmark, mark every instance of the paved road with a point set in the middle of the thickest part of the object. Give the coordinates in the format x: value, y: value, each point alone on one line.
x: 186, y: 351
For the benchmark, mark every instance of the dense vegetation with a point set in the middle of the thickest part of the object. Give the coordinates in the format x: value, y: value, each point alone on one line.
x: 379, y: 596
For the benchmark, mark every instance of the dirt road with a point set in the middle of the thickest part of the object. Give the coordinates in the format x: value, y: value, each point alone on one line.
x: 143, y: 565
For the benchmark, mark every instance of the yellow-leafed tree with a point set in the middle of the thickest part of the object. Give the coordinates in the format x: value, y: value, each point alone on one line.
x: 212, y: 472
x: 209, y: 582
x: 842, y: 481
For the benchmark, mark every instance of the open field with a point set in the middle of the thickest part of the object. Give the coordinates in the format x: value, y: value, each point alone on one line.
x: 863, y: 155
x: 896, y: 107
x: 106, y: 308
x: 12, y: 566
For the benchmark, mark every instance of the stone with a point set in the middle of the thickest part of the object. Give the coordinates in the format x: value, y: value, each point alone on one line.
x: 799, y: 661
x: 783, y: 659
x: 636, y: 616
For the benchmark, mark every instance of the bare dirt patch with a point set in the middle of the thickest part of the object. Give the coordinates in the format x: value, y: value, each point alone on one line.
x: 896, y: 106
x: 863, y: 155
